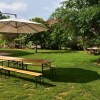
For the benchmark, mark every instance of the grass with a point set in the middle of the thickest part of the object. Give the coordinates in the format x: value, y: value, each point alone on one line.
x: 78, y: 77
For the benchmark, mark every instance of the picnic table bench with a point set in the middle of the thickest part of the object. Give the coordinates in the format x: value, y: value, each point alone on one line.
x: 8, y: 70
x: 40, y: 62
x: 93, y: 50
x: 24, y: 62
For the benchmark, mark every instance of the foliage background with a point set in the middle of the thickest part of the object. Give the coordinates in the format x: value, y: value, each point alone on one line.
x: 77, y: 27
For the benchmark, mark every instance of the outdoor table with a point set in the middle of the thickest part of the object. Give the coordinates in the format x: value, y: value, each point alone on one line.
x: 38, y: 62
x: 93, y: 50
x: 8, y: 59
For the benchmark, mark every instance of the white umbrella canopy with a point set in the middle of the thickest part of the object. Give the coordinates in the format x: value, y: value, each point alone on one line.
x: 20, y: 26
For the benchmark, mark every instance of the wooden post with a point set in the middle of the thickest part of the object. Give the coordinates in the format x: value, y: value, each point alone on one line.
x: 36, y: 44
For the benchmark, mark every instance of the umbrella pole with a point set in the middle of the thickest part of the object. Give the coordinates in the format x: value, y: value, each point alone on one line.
x: 9, y: 14
x: 36, y: 45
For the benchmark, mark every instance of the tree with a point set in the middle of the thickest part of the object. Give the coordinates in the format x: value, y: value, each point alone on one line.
x: 80, y: 19
x: 39, y: 38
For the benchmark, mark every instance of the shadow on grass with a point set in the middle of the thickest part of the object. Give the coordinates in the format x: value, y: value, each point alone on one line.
x: 16, y: 53
x: 97, y: 60
x: 68, y: 75
x: 28, y: 78
x: 56, y: 51
x: 33, y: 80
x: 74, y: 75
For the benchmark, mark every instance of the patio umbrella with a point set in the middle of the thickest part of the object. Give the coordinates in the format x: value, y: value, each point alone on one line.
x: 20, y: 26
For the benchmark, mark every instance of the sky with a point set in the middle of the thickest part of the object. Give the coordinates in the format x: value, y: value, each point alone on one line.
x: 29, y: 9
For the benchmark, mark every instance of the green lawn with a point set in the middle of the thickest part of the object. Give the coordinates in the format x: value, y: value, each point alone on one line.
x: 78, y: 78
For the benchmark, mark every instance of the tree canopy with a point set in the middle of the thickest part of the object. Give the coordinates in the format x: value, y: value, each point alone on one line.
x: 77, y: 25
x: 80, y: 20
